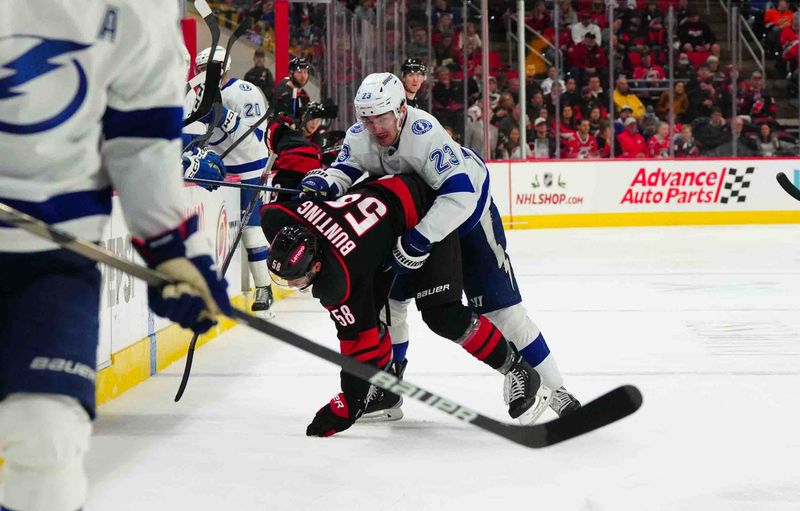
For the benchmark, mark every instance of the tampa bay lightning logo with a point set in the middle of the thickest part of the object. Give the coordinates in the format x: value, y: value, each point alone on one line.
x: 40, y: 74
x: 356, y: 128
x: 245, y: 86
x: 421, y: 126
x: 344, y: 154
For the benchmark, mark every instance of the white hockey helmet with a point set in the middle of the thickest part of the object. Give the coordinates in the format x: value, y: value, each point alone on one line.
x: 379, y: 93
x: 219, y: 56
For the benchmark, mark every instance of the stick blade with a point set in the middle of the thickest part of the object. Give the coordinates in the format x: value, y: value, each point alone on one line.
x: 787, y: 185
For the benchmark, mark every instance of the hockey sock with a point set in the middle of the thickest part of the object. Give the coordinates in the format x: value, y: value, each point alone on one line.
x: 257, y: 252
x: 399, y: 351
x: 485, y: 342
x: 537, y: 354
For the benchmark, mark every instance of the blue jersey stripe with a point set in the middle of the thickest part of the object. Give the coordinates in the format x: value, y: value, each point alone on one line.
x: 246, y: 167
x: 351, y: 172
x: 456, y: 183
x: 475, y: 217
x: 166, y: 122
x: 64, y: 207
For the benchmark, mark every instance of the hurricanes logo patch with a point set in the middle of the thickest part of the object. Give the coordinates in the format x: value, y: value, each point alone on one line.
x: 356, y: 128
x: 421, y: 126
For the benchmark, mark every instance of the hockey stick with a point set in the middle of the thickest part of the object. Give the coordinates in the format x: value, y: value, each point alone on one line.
x: 242, y: 185
x: 187, y: 369
x: 608, y: 408
x: 213, y: 72
x: 788, y: 186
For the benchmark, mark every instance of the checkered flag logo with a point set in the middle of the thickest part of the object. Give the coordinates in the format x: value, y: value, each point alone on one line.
x: 736, y: 184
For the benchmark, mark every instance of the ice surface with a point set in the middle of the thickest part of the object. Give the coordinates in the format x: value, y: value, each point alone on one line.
x: 704, y: 320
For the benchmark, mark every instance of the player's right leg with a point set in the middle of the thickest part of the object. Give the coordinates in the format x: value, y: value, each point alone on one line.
x: 255, y: 243
x: 49, y: 326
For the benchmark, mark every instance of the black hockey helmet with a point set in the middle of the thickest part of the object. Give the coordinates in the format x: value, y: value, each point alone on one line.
x: 412, y: 66
x: 291, y: 254
x: 298, y: 63
x: 314, y: 110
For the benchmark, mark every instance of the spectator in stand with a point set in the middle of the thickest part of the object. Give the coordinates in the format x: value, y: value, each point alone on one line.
x: 701, y: 101
x: 441, y: 7
x: 624, y: 97
x: 418, y: 46
x: 585, y: 26
x: 567, y: 127
x: 680, y: 103
x: 587, y: 58
x: 657, y: 40
x: 775, y: 20
x: 512, y: 87
x: 447, y: 98
x: 571, y: 96
x: 683, y: 69
x: 547, y: 83
x: 511, y: 121
x: 541, y: 19
x: 658, y: 144
x: 630, y: 143
x: 444, y: 27
x: 494, y: 95
x: 647, y: 72
x: 595, y: 118
x: 768, y: 143
x: 260, y: 76
x: 753, y: 100
x: 508, y: 148
x: 474, y: 137
x: 696, y: 35
x: 543, y: 145
x: 598, y: 95
x: 599, y: 15
x: 634, y: 35
x: 717, y: 75
x: 605, y: 138
x: 567, y: 16
x: 625, y: 113
x: 681, y: 12
x: 504, y: 108
x: 583, y: 145
x: 474, y: 42
x: 444, y: 53
x: 684, y: 143
x: 650, y: 12
x: 535, y: 103
x: 366, y: 11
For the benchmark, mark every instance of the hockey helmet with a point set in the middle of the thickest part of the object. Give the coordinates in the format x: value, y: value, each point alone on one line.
x: 291, y: 254
x: 314, y: 110
x: 412, y: 65
x: 219, y: 56
x: 380, y: 93
x: 298, y: 63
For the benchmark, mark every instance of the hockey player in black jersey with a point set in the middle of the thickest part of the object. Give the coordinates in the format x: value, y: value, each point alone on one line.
x: 413, y: 74
x: 340, y: 251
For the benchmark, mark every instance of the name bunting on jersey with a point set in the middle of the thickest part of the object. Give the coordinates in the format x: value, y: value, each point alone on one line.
x: 332, y: 231
x: 626, y: 186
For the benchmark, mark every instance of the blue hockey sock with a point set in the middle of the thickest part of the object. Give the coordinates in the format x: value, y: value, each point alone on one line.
x: 399, y: 351
x: 535, y: 352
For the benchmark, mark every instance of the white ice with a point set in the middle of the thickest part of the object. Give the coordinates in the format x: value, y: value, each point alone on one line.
x: 704, y: 320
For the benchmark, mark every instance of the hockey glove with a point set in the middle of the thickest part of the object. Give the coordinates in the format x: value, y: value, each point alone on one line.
x: 203, y: 164
x: 197, y: 295
x: 315, y: 184
x: 410, y: 252
x: 336, y: 416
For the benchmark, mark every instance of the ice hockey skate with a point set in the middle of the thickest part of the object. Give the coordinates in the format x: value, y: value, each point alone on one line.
x: 383, y: 406
x: 262, y: 304
x: 524, y: 393
x: 563, y: 402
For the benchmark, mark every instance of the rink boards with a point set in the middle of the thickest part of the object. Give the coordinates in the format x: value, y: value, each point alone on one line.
x: 623, y: 192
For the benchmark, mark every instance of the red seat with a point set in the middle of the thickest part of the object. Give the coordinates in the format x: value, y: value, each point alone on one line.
x: 696, y: 58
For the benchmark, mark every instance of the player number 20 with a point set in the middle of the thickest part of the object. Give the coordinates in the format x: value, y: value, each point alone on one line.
x: 343, y: 315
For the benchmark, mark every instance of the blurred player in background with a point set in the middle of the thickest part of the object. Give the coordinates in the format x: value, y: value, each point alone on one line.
x: 243, y: 105
x: 114, y: 123
x: 413, y: 73
x: 290, y: 97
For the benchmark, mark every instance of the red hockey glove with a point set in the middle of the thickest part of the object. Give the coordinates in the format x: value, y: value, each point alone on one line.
x: 336, y: 416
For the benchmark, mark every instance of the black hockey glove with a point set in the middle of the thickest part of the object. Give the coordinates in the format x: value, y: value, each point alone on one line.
x: 336, y: 416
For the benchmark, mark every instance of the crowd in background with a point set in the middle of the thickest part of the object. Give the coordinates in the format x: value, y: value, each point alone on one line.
x: 569, y: 114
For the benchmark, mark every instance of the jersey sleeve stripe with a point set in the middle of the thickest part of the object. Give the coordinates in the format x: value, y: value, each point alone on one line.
x: 247, y: 167
x: 351, y: 172
x: 455, y: 184
x: 64, y: 207
x: 165, y: 122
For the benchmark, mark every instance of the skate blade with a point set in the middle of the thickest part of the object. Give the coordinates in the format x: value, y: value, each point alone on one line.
x: 264, y: 314
x: 543, y: 398
x: 388, y: 415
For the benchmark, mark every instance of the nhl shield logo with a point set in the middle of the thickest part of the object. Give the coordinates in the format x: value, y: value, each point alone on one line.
x: 548, y: 179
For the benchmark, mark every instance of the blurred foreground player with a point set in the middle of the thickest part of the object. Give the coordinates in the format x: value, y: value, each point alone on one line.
x: 340, y: 250
x: 115, y: 122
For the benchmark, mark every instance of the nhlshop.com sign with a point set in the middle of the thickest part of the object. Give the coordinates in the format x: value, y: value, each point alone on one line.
x: 688, y: 186
x: 559, y: 187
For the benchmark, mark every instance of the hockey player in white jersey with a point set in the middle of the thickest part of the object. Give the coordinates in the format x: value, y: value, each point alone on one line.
x: 243, y: 104
x: 393, y: 138
x: 90, y: 101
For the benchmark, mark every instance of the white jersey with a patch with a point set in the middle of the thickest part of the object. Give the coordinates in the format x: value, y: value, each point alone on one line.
x: 456, y: 173
x: 90, y: 100
x: 249, y: 158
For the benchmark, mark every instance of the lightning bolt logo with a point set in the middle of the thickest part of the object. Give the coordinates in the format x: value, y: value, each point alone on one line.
x: 38, y: 62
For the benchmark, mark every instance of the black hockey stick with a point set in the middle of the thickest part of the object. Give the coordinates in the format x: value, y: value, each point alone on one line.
x: 788, y: 186
x: 187, y: 369
x: 242, y: 185
x: 608, y: 408
x: 213, y: 70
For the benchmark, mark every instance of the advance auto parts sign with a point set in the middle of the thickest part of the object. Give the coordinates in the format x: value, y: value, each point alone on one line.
x: 659, y: 186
